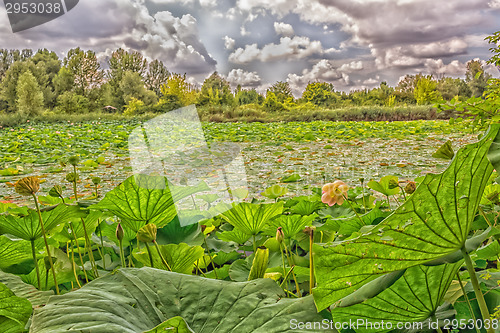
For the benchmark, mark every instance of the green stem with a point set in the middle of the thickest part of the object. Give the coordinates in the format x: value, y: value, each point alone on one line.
x: 79, y: 252
x: 210, y: 255
x: 477, y: 290
x: 88, y: 245
x: 150, y: 255
x: 46, y: 243
x: 434, y: 319
x: 199, y: 270
x: 311, y: 261
x: 293, y: 273
x: 467, y: 300
x: 33, y: 252
x: 355, y: 212
x: 122, y: 254
x: 102, y: 247
x: 286, y: 278
x: 363, y: 189
x: 285, y: 274
x: 74, y: 266
x: 254, y: 244
x: 161, y: 256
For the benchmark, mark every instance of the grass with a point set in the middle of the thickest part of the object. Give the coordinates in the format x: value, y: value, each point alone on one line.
x: 252, y: 113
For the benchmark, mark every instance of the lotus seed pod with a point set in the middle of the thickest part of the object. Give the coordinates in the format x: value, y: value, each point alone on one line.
x: 410, y: 187
x: 393, y: 184
x: 56, y: 191
x: 96, y: 180
x: 147, y: 233
x: 27, y: 186
x: 72, y: 177
x: 74, y: 160
x: 203, y: 227
x: 119, y: 232
x: 280, y: 235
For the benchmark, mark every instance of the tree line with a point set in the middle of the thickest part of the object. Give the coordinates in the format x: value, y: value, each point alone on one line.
x: 32, y: 83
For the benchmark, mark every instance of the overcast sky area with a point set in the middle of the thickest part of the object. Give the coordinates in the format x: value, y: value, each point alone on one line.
x: 353, y: 44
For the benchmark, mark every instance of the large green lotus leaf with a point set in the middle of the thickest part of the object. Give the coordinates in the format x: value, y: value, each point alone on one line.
x: 136, y: 300
x: 91, y: 222
x: 412, y: 298
x: 235, y: 235
x: 434, y: 222
x: 252, y: 218
x: 143, y: 199
x: 28, y: 227
x: 13, y: 251
x: 14, y: 311
x: 180, y: 257
x: 347, y: 226
x: 173, y: 325
x: 290, y: 224
x: 24, y: 290
x: 384, y: 185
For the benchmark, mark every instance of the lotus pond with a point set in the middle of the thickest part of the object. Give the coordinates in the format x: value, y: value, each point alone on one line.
x: 409, y: 243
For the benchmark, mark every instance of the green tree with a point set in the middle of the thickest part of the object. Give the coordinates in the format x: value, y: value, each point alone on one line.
x: 73, y: 103
x: 476, y: 78
x: 10, y: 81
x: 320, y: 94
x: 156, y: 75
x: 272, y: 104
x: 216, y: 91
x: 85, y: 69
x: 282, y: 91
x: 178, y: 92
x: 132, y: 86
x: 426, y: 90
x: 250, y: 96
x: 29, y: 96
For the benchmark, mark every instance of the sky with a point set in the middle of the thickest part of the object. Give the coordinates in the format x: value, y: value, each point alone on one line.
x: 353, y: 44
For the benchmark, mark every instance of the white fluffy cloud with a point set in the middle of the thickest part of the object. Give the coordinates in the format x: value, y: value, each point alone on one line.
x: 228, y: 42
x: 283, y: 29
x: 323, y: 70
x: 243, y: 78
x: 288, y: 48
x: 104, y: 26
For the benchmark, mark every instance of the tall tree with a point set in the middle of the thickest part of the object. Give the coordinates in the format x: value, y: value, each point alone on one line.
x: 85, y: 69
x: 216, y: 91
x: 282, y: 91
x: 156, y: 76
x: 320, y: 94
x: 476, y: 78
x: 29, y: 96
x: 426, y: 90
x: 10, y: 81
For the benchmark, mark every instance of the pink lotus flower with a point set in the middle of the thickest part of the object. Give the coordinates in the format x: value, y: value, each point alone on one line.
x: 334, y: 193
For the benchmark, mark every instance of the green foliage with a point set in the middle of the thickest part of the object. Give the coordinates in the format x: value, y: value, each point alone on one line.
x: 320, y: 94
x: 14, y: 311
x: 426, y: 91
x: 137, y: 300
x: 418, y: 231
x: 29, y: 96
x: 216, y: 91
x: 72, y: 103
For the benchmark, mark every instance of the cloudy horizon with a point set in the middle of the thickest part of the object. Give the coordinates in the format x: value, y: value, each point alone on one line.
x: 353, y: 44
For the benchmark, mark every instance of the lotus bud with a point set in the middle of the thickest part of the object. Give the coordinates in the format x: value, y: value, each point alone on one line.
x: 56, y: 191
x: 27, y: 186
x: 280, y: 235
x: 361, y: 180
x: 309, y: 230
x: 96, y: 180
x: 393, y: 184
x: 119, y: 232
x: 74, y: 160
x: 147, y: 233
x: 410, y: 187
x: 72, y: 177
x: 46, y: 262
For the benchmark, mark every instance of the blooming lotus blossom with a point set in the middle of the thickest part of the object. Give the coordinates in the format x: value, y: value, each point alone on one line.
x: 334, y: 193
